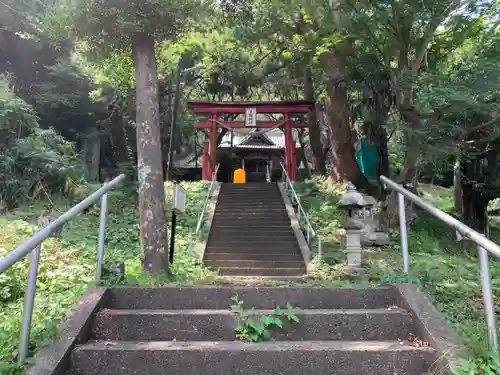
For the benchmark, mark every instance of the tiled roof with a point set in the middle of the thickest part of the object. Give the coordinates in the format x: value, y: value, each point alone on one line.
x: 275, y: 136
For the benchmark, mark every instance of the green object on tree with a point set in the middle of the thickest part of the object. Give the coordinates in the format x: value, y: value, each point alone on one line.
x: 367, y: 159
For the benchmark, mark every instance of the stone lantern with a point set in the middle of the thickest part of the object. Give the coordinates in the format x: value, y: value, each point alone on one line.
x: 354, y: 204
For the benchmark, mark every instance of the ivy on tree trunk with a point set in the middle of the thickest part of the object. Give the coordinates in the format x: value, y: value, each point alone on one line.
x: 153, y: 229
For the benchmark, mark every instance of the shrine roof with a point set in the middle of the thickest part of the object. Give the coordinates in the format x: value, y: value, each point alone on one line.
x: 290, y: 106
x: 272, y: 139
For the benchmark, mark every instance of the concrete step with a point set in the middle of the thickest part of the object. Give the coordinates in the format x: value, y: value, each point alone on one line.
x: 292, y: 257
x: 254, y: 242
x: 247, y: 248
x: 262, y: 271
x: 236, y: 357
x: 263, y: 222
x: 251, y: 210
x: 261, y: 227
x: 239, y: 231
x: 241, y: 263
x: 262, y: 201
x: 237, y: 213
x: 218, y: 325
x: 219, y: 298
x: 252, y: 236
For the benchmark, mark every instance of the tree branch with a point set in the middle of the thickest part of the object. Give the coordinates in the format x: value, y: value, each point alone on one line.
x: 431, y: 31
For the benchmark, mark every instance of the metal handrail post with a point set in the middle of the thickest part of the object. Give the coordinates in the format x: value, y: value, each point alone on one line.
x: 484, y: 245
x: 27, y: 246
x: 460, y: 227
x: 404, y: 232
x: 29, y: 303
x: 488, y: 299
x: 209, y: 193
x: 294, y: 194
x: 102, y: 235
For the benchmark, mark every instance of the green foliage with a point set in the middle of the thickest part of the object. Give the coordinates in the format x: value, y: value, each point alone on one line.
x: 255, y: 327
x: 479, y: 366
x: 33, y: 161
x: 107, y: 25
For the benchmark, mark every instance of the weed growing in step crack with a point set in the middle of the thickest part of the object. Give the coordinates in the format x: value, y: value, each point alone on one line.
x: 255, y: 327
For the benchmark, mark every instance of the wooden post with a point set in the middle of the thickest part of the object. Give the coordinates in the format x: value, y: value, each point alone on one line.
x: 213, y: 145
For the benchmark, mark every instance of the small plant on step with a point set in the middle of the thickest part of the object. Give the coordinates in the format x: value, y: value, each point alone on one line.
x: 254, y: 326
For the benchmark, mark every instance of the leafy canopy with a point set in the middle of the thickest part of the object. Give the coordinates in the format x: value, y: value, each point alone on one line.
x: 109, y: 24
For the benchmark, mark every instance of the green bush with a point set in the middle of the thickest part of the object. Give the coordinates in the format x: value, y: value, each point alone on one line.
x: 33, y: 161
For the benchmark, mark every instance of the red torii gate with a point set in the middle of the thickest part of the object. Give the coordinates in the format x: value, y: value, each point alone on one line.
x: 250, y: 109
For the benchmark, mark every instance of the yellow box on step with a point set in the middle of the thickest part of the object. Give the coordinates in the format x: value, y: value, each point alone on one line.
x: 240, y: 176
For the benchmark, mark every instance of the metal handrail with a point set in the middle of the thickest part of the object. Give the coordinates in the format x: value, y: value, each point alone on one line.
x: 484, y: 244
x: 301, y: 211
x: 205, y: 204
x: 34, y: 246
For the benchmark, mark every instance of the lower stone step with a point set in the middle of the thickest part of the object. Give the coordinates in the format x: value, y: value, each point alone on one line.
x: 218, y: 325
x: 240, y: 358
x: 256, y: 241
x: 276, y: 262
x: 252, y: 247
x: 262, y: 271
x: 305, y: 297
x: 216, y: 256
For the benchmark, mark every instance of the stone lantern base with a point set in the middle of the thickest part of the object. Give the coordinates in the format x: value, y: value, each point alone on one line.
x: 353, y: 251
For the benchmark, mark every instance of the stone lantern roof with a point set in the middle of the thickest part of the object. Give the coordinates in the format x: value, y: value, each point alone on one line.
x: 352, y: 198
x: 370, y: 201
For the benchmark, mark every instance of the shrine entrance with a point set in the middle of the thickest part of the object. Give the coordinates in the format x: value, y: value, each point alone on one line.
x: 259, y: 136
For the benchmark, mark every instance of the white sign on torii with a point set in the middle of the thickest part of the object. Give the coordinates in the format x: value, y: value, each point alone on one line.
x: 251, y: 117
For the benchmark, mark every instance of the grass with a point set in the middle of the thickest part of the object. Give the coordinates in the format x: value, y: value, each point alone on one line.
x: 68, y: 264
x: 448, y: 271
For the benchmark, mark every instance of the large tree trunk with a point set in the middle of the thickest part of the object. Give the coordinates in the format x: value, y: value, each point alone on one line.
x: 457, y: 188
x: 474, y: 201
x: 153, y: 232
x: 333, y: 64
x: 173, y: 123
x: 92, y: 153
x: 118, y: 137
x: 313, y: 124
x: 408, y: 177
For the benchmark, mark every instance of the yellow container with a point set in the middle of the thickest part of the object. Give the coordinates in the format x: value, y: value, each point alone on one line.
x: 240, y: 176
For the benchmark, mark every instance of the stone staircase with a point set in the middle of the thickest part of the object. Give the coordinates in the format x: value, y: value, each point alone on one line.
x: 251, y: 233
x: 190, y: 331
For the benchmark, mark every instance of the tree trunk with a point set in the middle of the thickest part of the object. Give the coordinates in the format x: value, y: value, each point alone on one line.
x: 173, y: 122
x: 92, y: 154
x: 408, y: 177
x: 303, y: 154
x: 313, y: 124
x: 153, y: 232
x: 333, y: 64
x: 457, y: 188
x: 118, y: 137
